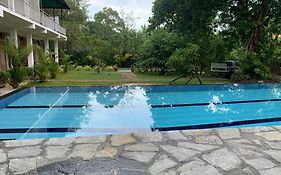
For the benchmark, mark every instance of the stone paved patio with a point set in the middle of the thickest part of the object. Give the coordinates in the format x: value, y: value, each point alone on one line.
x: 248, y: 151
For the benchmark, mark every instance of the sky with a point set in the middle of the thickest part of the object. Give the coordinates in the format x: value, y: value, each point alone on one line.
x: 141, y: 9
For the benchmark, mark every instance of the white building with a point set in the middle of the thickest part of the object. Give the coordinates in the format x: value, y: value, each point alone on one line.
x: 27, y: 24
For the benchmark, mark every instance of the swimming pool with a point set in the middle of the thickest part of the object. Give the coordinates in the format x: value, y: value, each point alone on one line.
x: 87, y: 111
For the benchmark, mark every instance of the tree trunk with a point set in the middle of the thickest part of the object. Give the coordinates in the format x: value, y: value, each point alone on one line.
x: 253, y: 43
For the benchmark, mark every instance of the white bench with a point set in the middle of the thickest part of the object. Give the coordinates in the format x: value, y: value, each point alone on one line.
x: 219, y: 67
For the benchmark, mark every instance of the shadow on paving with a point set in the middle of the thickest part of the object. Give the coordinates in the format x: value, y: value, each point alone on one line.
x: 94, y: 167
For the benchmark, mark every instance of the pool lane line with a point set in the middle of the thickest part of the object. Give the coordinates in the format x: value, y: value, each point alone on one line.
x: 45, y: 113
x: 37, y: 130
x: 190, y: 127
x: 218, y: 125
x: 152, y: 106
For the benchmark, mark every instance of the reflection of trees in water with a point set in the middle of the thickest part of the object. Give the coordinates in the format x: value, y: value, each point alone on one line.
x: 129, y: 109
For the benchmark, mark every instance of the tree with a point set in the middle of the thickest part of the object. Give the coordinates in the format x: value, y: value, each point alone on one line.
x: 251, y: 22
x: 186, y: 61
x: 75, y: 23
x: 17, y: 57
x: 107, y: 24
x: 157, y: 48
x: 193, y: 20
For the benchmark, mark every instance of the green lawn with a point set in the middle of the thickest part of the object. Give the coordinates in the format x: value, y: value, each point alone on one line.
x: 91, y: 78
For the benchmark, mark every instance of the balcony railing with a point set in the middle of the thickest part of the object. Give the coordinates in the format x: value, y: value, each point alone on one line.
x: 27, y: 10
x: 4, y: 3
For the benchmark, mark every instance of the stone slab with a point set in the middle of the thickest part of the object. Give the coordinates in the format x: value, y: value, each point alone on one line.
x: 223, y: 158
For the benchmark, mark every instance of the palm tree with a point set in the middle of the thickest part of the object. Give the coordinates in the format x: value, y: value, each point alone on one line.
x: 17, y: 57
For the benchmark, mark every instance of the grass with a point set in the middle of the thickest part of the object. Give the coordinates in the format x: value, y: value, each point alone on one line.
x: 91, y: 78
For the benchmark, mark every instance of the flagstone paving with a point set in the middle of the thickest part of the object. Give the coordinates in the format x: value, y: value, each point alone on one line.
x: 247, y: 151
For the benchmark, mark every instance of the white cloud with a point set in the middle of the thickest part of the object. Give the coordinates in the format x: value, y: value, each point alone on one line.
x: 141, y: 9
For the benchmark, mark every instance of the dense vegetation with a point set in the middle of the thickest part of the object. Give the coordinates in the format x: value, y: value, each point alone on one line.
x: 220, y: 30
x: 185, y: 36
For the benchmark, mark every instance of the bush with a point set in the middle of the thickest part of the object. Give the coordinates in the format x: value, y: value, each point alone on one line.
x: 87, y: 68
x: 3, y: 78
x: 97, y: 69
x: 41, y: 69
x: 53, y: 69
x: 79, y: 68
x: 65, y: 61
x: 253, y: 68
x: 41, y: 72
x: 17, y: 57
x: 29, y: 72
x: 61, y: 69
x: 109, y: 69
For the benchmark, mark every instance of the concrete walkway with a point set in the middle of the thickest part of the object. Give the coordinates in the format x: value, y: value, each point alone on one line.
x: 248, y: 151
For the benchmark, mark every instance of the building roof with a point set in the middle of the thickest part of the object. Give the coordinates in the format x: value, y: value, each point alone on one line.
x: 54, y: 4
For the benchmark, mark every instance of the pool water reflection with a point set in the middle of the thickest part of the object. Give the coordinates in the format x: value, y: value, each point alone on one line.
x: 86, y: 111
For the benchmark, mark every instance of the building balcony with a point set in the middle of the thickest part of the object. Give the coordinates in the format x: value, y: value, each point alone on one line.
x: 32, y: 12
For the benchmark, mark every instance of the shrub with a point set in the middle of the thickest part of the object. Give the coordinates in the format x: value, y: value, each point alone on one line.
x: 29, y: 72
x: 65, y: 61
x: 61, y: 69
x: 41, y: 69
x: 53, y: 69
x: 17, y: 57
x: 79, y: 68
x: 253, y: 68
x: 97, y: 69
x: 109, y: 69
x: 87, y: 68
x: 3, y: 78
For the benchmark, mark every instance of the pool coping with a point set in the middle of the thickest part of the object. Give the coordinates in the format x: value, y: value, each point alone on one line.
x: 255, y: 150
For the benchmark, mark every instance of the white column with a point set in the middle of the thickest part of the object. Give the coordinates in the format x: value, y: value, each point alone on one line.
x: 46, y: 46
x: 30, y: 56
x: 14, y: 37
x: 56, y: 48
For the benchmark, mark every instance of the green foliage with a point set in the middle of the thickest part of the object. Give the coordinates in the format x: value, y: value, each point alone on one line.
x: 157, y: 49
x: 42, y: 68
x: 83, y: 68
x: 79, y: 68
x: 87, y: 68
x: 109, y: 69
x: 192, y: 18
x: 3, y: 78
x: 53, y: 68
x: 253, y: 68
x: 185, y: 60
x: 97, y: 69
x: 74, y: 21
x: 64, y: 61
x: 17, y: 57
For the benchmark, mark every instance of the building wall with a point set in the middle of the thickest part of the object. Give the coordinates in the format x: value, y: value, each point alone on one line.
x: 35, y: 3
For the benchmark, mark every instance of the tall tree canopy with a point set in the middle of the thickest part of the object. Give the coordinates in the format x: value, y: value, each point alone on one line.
x: 251, y: 22
x: 245, y: 21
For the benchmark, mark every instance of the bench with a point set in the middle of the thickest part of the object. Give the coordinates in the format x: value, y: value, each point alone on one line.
x: 219, y: 67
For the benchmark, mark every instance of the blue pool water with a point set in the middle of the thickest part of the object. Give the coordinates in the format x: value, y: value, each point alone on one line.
x: 86, y: 111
